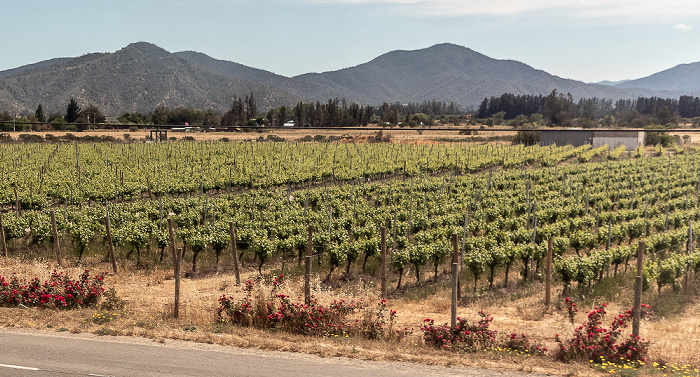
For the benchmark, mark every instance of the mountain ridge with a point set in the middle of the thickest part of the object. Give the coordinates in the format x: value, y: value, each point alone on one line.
x: 141, y: 76
x: 683, y: 77
x: 138, y: 77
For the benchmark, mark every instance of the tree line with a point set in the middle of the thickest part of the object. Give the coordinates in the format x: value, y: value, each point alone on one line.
x: 339, y: 113
x: 74, y: 114
x: 244, y: 112
x: 561, y: 110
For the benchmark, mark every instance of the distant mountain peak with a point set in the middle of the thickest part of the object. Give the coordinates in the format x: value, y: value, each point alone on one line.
x: 449, y: 47
x: 143, y: 48
x: 610, y: 83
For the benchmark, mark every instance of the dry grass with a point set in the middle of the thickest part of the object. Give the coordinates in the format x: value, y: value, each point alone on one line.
x: 398, y: 135
x: 675, y: 336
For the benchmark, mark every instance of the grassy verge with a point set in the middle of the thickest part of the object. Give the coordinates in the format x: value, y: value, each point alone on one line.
x: 140, y: 304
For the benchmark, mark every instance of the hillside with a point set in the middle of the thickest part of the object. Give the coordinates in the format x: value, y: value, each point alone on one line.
x: 142, y: 76
x: 447, y: 72
x: 138, y: 77
x: 444, y: 72
x: 301, y: 88
x: 28, y: 67
x: 682, y: 78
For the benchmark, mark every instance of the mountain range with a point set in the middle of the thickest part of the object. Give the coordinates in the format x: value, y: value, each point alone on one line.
x: 142, y: 76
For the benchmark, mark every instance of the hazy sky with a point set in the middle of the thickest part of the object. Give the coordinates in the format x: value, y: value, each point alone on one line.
x: 588, y: 40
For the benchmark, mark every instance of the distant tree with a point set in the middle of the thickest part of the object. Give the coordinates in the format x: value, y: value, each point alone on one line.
x: 251, y: 107
x: 609, y: 120
x: 40, y: 116
x: 483, y: 111
x: 91, y: 114
x: 160, y: 115
x: 72, y: 111
x: 5, y: 116
x: 55, y: 118
x: 584, y: 122
x: 210, y: 118
x: 664, y: 115
x: 189, y: 115
x: 283, y: 116
x: 237, y: 115
x: 658, y: 137
x: 421, y: 119
x: 135, y: 118
x: 498, y: 118
x: 537, y: 119
x: 320, y: 115
x: 558, y: 108
x: 527, y: 137
x: 689, y: 107
x: 367, y: 113
x: 299, y: 113
x: 519, y: 121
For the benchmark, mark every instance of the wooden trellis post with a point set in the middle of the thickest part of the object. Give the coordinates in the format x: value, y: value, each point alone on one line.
x: 307, y: 266
x: 548, y: 284
x: 455, y: 280
x: 177, y: 257
x: 3, y: 243
x: 56, y: 246
x: 108, y: 228
x: 637, y: 309
x: 235, y: 254
x: 383, y: 268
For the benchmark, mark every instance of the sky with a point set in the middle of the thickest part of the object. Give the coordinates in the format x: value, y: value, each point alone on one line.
x: 586, y: 40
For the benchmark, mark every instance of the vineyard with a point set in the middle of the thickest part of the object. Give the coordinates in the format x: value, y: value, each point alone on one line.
x: 504, y: 203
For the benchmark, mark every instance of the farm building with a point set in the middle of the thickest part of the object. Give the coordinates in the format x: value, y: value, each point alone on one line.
x: 576, y: 137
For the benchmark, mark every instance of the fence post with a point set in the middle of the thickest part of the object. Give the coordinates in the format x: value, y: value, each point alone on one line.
x: 690, y: 237
x: 172, y: 239
x: 235, y: 253
x: 3, y: 243
x: 176, y: 309
x: 548, y: 285
x: 56, y: 246
x: 177, y: 257
x: 637, y: 310
x: 455, y: 280
x: 110, y: 246
x: 383, y: 267
x: 307, y: 266
x: 461, y: 253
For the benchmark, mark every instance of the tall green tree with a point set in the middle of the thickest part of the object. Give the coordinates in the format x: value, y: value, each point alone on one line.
x: 72, y: 111
x: 160, y: 115
x: 251, y: 107
x: 40, y: 116
x: 558, y: 108
x: 283, y: 116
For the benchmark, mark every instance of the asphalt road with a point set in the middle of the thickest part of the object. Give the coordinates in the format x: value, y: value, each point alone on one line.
x: 39, y: 354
